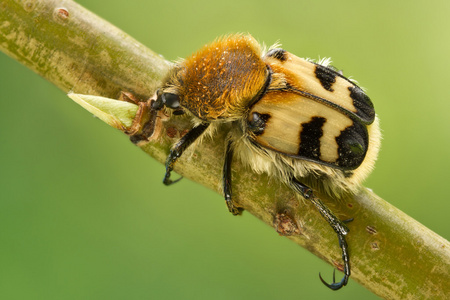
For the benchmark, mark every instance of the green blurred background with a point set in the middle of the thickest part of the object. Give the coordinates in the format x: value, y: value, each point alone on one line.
x: 72, y: 227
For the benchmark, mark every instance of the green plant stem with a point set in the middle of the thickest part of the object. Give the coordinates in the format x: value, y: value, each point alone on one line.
x: 392, y: 255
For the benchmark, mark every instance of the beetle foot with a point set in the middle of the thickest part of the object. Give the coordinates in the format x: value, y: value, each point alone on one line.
x: 335, y: 285
x: 232, y: 208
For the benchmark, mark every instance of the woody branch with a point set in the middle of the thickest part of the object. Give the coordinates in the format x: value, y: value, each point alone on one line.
x: 86, y: 55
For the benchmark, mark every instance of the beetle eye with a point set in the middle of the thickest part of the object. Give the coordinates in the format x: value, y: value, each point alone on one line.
x: 171, y: 100
x: 158, y: 104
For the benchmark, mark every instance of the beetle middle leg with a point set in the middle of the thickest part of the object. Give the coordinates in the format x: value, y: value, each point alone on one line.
x: 179, y: 148
x: 227, y: 181
x: 338, y: 226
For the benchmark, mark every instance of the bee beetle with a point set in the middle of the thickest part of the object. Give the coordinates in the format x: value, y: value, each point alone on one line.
x: 301, y: 121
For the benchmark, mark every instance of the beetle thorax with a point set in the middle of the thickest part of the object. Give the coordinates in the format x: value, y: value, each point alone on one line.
x: 221, y: 80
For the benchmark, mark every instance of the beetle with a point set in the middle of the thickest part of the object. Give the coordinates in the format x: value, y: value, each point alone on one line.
x: 298, y: 120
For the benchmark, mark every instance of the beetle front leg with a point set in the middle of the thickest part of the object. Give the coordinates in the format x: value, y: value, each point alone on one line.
x: 179, y: 148
x: 338, y: 226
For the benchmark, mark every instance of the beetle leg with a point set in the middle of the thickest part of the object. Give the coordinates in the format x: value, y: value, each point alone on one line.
x: 179, y: 148
x: 227, y: 181
x: 337, y: 225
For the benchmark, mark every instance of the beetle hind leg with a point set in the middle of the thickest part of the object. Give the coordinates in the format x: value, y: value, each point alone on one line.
x: 337, y: 285
x: 338, y: 226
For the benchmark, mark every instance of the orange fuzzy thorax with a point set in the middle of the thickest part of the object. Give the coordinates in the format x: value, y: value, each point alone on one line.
x: 222, y: 78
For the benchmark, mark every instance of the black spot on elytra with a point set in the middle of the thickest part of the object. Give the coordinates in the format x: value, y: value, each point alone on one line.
x: 348, y: 174
x: 310, y: 138
x: 363, y: 104
x: 352, y: 146
x: 278, y: 53
x: 257, y: 123
x: 326, y: 76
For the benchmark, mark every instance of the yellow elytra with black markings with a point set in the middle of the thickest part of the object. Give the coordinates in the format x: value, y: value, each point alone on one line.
x: 316, y: 114
x: 299, y: 121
